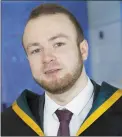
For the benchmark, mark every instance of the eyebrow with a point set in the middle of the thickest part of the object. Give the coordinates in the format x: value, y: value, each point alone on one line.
x: 33, y: 44
x: 58, y: 36
x: 50, y: 39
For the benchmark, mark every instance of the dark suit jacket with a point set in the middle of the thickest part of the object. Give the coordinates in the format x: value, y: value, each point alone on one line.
x: 25, y: 116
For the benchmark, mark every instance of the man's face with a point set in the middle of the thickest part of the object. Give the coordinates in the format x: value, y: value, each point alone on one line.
x: 53, y: 52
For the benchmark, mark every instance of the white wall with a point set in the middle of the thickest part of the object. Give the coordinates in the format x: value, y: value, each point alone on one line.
x: 106, y: 53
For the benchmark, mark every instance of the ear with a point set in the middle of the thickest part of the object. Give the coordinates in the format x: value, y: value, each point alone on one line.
x: 84, y: 49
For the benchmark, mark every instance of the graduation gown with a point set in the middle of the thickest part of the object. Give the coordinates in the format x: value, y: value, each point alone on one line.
x: 25, y: 116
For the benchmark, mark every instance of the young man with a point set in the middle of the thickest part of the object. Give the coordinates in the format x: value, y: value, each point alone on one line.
x: 73, y: 105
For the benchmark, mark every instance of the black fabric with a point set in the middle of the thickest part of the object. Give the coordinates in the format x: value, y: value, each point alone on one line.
x: 37, y: 106
x: 109, y: 124
x: 12, y: 125
x: 96, y: 89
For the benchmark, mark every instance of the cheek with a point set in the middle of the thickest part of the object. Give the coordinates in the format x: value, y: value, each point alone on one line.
x: 69, y: 59
x: 35, y: 65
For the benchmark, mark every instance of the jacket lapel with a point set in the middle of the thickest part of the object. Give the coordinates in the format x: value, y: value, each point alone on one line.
x: 27, y: 107
x: 104, y: 98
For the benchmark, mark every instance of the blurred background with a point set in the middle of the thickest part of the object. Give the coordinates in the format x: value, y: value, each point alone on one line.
x: 102, y: 25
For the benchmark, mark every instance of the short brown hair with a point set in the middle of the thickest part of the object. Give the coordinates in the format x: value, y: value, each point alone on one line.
x: 51, y: 8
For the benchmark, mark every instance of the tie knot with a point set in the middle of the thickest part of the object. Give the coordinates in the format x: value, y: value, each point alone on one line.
x: 64, y: 115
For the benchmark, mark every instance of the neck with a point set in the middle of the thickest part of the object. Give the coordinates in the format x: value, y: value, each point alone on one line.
x: 66, y: 97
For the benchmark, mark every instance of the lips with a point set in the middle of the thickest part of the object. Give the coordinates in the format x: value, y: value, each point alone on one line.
x: 50, y: 71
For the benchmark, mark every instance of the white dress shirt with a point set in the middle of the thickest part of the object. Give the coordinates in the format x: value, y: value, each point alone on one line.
x: 79, y: 106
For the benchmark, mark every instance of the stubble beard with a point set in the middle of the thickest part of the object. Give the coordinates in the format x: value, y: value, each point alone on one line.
x: 61, y: 85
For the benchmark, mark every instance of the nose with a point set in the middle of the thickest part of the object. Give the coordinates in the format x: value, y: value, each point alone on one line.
x: 48, y: 57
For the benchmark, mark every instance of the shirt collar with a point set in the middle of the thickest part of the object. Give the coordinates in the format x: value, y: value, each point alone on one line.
x: 80, y: 101
x: 50, y: 105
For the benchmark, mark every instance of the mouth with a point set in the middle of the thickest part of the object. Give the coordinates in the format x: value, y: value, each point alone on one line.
x: 52, y: 71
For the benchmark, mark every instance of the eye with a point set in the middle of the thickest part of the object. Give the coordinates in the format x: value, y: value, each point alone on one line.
x: 35, y: 51
x: 59, y: 44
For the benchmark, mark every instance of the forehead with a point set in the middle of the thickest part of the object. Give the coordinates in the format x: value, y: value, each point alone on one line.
x: 46, y: 26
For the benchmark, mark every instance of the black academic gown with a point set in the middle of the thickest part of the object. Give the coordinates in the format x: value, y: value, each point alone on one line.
x: 25, y: 116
